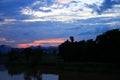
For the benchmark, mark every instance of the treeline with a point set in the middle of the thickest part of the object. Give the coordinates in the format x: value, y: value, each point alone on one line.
x: 26, y: 55
x: 105, y: 48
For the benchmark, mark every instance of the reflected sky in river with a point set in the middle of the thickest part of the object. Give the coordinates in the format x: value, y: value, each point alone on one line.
x: 5, y: 76
x: 44, y: 73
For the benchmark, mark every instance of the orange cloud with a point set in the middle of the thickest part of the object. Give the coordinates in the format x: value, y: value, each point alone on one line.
x: 2, y: 39
x: 47, y: 42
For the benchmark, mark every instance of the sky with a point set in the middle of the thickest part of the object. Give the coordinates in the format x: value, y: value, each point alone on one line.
x: 51, y: 22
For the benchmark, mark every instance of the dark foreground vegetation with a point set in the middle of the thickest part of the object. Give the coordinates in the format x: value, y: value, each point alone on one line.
x: 101, y: 54
x: 105, y: 48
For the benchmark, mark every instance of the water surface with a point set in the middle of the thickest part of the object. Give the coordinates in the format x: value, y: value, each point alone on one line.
x: 30, y: 73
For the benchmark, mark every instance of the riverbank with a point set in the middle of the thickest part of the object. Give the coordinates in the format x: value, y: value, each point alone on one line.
x: 57, y: 63
x: 71, y: 66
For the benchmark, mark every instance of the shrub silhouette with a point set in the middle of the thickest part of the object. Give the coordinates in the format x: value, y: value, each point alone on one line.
x: 105, y: 48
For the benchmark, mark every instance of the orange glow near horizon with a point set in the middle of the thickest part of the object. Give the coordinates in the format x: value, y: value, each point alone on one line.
x: 47, y: 42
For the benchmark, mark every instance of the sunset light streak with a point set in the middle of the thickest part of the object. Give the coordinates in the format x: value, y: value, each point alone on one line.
x: 50, y: 22
x: 47, y: 42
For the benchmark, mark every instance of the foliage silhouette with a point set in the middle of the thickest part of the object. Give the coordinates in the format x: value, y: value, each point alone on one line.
x: 105, y: 48
x: 28, y: 56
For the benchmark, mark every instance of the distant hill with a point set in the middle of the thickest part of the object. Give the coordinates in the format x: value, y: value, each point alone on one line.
x: 50, y: 49
x: 5, y: 49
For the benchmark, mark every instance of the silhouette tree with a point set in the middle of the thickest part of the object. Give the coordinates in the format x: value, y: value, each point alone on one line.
x: 105, y: 48
x: 33, y: 55
x: 72, y: 39
x: 109, y: 45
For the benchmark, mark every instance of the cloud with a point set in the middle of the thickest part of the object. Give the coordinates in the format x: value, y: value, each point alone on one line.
x: 64, y: 1
x: 8, y: 21
x: 58, y: 11
x: 48, y: 42
x: 7, y: 41
x: 55, y: 10
x: 44, y: 19
x: 69, y: 18
x: 105, y: 5
x: 11, y: 8
x: 11, y: 41
x: 70, y: 11
x: 2, y: 39
x: 1, y: 19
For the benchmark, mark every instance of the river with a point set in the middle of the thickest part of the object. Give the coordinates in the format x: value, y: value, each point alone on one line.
x: 29, y: 73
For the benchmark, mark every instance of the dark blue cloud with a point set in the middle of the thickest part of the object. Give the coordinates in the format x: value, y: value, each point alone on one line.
x: 107, y: 4
x: 11, y: 8
x: 96, y: 30
x: 1, y: 19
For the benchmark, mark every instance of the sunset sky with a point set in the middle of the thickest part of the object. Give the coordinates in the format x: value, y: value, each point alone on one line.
x: 25, y: 23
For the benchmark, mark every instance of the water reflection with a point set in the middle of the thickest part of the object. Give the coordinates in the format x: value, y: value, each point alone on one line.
x: 31, y: 74
x: 20, y: 72
x: 15, y: 72
x: 49, y: 77
x: 5, y: 76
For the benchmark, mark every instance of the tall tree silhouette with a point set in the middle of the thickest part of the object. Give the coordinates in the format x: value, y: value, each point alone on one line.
x: 105, y: 48
x: 72, y: 39
x: 109, y: 45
